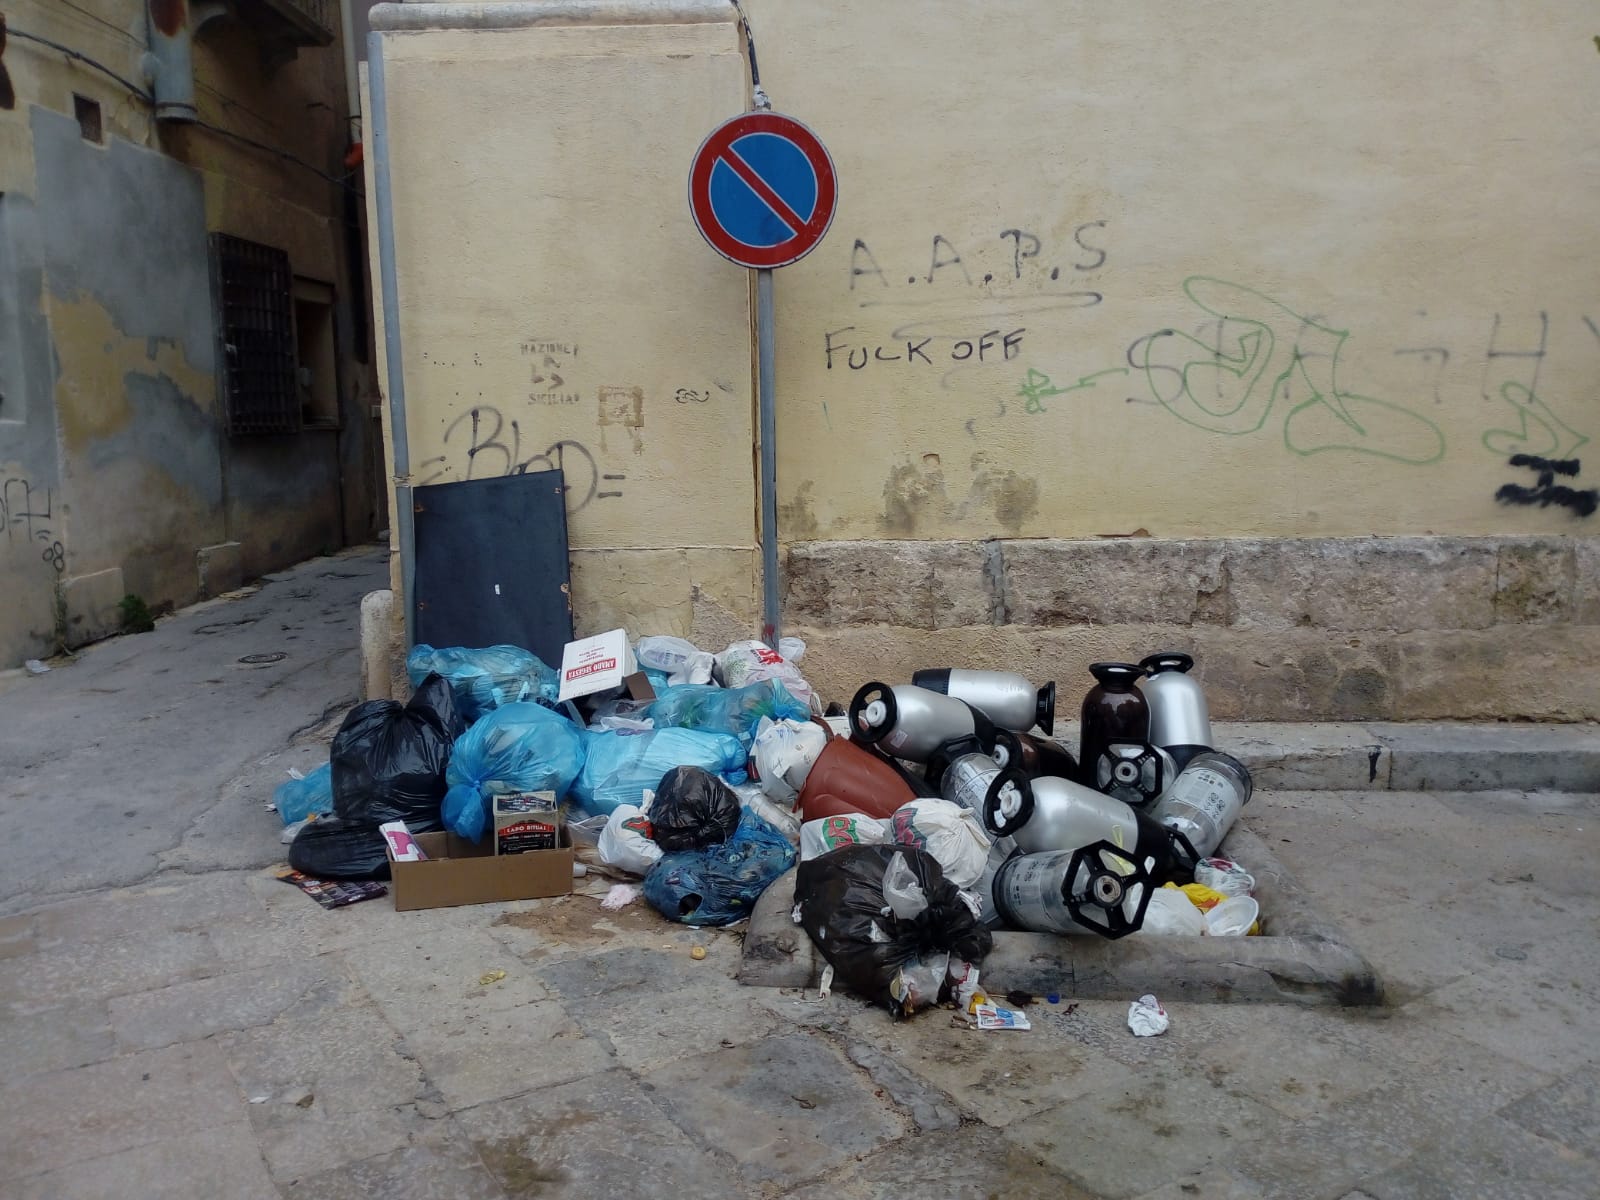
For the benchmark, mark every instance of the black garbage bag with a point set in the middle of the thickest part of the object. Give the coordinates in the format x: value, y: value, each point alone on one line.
x: 693, y: 808
x: 888, y: 946
x: 328, y: 848
x: 388, y: 758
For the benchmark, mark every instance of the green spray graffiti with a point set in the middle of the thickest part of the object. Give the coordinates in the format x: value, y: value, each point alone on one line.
x: 1265, y: 352
x: 1539, y: 431
x: 1036, y: 386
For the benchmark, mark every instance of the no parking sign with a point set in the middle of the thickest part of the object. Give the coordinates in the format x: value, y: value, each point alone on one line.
x: 762, y: 190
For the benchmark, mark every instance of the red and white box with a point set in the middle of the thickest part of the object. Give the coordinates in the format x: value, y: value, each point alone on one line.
x: 596, y: 664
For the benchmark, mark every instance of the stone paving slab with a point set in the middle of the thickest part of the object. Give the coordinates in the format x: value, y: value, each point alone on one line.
x: 1300, y: 957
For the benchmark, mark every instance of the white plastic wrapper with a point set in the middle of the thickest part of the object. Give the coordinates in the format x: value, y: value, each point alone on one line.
x: 949, y: 832
x: 684, y: 662
x: 784, y: 820
x: 1147, y: 1018
x: 829, y: 833
x: 784, y: 752
x: 625, y: 842
x: 1172, y: 914
x: 745, y: 663
x: 1225, y: 876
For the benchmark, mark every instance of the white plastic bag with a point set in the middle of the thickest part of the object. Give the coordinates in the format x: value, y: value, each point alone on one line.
x: 1172, y: 914
x: 829, y: 833
x: 625, y: 842
x: 949, y: 832
x: 744, y: 663
x: 784, y: 752
x: 905, y: 897
x: 683, y: 661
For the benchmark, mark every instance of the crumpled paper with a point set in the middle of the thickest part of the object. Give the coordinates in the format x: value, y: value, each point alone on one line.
x: 1147, y: 1018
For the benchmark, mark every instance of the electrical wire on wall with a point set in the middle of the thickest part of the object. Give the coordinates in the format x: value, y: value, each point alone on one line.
x: 757, y: 94
x: 140, y: 94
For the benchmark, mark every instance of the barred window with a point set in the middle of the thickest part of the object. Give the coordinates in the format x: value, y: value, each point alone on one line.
x: 253, y: 290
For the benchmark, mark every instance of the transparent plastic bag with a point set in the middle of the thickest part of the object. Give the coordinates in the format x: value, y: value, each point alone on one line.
x: 683, y: 661
x: 744, y: 663
x: 519, y: 748
x: 619, y: 767
x: 484, y: 679
x: 302, y: 796
x: 726, y: 710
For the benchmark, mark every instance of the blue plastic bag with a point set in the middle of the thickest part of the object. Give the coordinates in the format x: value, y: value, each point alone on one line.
x: 725, y: 710
x: 719, y: 885
x: 519, y: 748
x: 483, y: 680
x: 619, y: 765
x: 298, y: 799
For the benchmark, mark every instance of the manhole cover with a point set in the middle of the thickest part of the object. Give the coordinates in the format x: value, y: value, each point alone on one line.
x: 256, y: 660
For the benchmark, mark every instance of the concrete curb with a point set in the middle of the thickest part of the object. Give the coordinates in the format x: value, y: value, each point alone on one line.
x: 1301, y: 958
x: 1417, y: 756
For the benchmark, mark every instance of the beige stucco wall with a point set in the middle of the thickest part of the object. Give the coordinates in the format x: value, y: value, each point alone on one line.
x: 1401, y: 193
x: 556, y: 311
x: 1206, y: 271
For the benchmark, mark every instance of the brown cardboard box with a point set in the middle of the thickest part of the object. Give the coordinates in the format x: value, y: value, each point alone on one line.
x: 526, y: 821
x: 461, y: 872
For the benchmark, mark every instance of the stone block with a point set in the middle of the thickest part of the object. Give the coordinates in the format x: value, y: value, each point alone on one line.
x: 1145, y: 1130
x: 1586, y: 580
x: 1568, y: 1111
x: 1535, y: 583
x: 786, y: 1109
x: 56, y: 1039
x: 434, y: 1167
x: 91, y: 971
x: 217, y: 1162
x: 973, y: 1164
x: 917, y: 585
x: 1362, y: 583
x: 366, y: 1094
x: 1493, y: 1157
x: 1295, y: 674
x: 188, y: 1012
x: 221, y: 568
x: 601, y: 1137
x: 1544, y: 673
x: 1121, y: 581
x: 75, y: 1115
x: 93, y: 606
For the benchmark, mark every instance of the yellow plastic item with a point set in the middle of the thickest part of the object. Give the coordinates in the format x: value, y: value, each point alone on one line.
x: 1205, y: 899
x: 697, y: 953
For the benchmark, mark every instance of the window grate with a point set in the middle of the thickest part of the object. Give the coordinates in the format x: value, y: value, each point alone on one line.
x: 257, y: 326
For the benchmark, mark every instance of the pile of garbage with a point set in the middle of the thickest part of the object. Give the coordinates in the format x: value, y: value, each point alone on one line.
x: 923, y: 817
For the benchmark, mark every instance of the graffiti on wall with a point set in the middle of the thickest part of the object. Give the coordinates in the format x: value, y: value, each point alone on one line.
x: 1547, y: 492
x: 1013, y: 257
x: 26, y: 516
x: 482, y: 444
x: 1266, y: 358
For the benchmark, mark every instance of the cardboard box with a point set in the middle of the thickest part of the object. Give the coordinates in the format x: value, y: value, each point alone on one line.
x: 526, y: 821
x: 596, y: 664
x: 461, y: 872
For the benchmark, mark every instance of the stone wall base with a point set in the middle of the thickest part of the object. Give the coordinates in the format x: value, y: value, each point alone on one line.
x: 1336, y: 629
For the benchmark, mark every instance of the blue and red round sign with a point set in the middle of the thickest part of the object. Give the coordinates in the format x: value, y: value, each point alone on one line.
x: 762, y: 190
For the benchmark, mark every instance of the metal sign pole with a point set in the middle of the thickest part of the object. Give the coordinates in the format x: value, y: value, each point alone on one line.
x: 766, y: 338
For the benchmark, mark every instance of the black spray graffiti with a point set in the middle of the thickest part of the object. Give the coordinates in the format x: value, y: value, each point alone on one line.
x: 1547, y: 491
x: 489, y: 456
x: 27, y: 523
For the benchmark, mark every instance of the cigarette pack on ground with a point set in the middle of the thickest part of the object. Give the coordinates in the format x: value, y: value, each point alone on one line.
x: 596, y: 664
x: 525, y: 821
x: 402, y: 846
